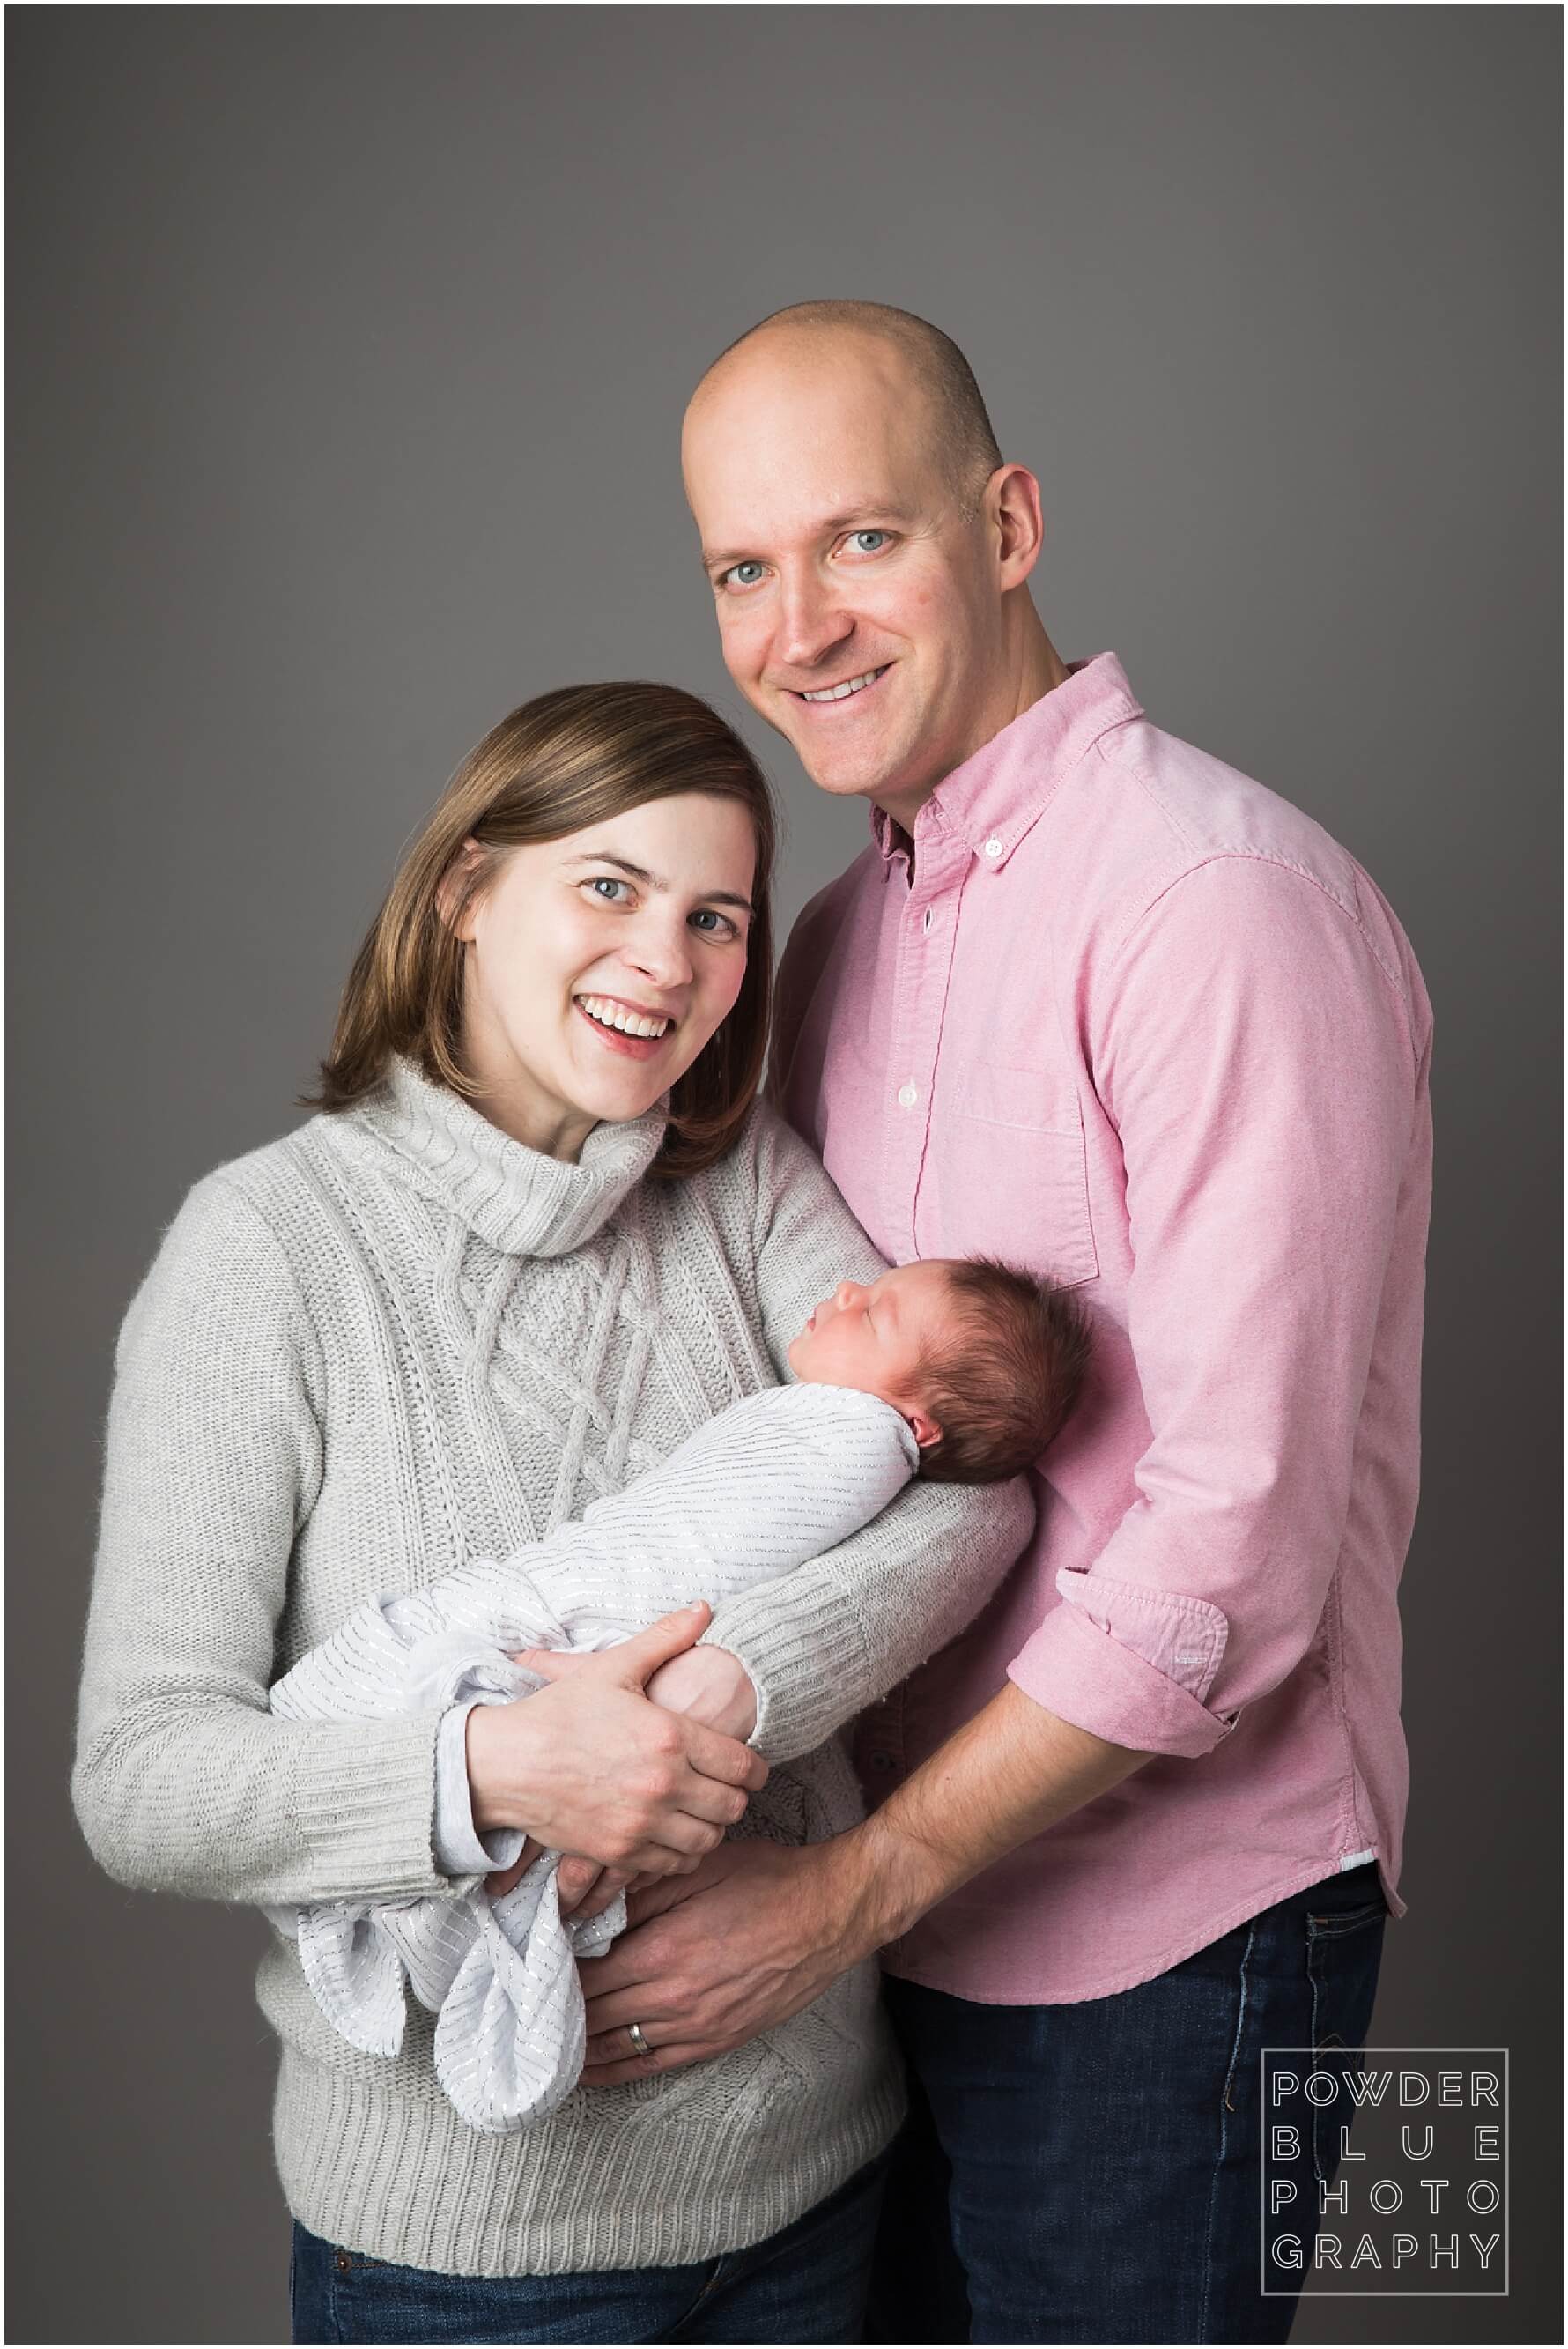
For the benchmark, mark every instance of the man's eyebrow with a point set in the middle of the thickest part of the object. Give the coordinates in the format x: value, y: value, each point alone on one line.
x: 652, y: 880
x: 867, y: 516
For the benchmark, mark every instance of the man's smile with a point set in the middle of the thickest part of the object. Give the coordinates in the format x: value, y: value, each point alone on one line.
x: 835, y: 696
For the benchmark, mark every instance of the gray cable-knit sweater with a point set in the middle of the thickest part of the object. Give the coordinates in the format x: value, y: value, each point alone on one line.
x: 391, y: 1342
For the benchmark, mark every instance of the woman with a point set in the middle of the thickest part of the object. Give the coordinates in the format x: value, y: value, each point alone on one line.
x: 539, y: 1230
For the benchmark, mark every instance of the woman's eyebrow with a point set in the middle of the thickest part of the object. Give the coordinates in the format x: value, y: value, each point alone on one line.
x: 652, y: 880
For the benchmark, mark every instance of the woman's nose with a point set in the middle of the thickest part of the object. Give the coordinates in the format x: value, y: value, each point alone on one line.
x: 662, y: 950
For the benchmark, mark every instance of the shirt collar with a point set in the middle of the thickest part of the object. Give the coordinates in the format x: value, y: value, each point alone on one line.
x: 998, y: 794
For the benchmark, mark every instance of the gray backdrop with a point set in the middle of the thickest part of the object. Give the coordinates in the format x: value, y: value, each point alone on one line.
x: 349, y: 352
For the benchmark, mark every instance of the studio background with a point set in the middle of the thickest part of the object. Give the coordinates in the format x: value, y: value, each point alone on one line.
x: 349, y: 349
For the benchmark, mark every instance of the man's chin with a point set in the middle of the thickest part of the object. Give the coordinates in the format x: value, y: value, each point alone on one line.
x: 846, y: 777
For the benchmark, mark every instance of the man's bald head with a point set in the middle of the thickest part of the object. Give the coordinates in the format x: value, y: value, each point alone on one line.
x: 962, y: 445
x: 868, y: 549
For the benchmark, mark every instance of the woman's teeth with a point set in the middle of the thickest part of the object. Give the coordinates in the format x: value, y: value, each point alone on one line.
x: 616, y: 1015
x: 840, y: 692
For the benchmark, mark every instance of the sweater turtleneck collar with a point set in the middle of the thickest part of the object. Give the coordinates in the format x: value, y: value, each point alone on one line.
x: 518, y: 1200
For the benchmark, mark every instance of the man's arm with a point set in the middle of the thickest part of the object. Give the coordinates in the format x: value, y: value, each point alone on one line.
x: 759, y: 1931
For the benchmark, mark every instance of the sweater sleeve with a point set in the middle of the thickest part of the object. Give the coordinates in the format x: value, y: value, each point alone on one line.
x: 822, y: 1643
x: 183, y: 1781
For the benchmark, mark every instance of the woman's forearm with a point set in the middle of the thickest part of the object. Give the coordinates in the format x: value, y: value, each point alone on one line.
x: 821, y: 1644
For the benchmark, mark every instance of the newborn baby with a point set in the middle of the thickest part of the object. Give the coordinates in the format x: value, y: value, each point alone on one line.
x: 960, y: 1371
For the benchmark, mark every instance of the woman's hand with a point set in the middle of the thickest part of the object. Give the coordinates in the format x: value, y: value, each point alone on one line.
x: 709, y: 1685
x: 705, y: 1684
x: 589, y: 1765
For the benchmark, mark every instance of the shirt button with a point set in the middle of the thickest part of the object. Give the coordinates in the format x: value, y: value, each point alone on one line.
x: 908, y: 1095
x: 993, y: 846
x: 882, y: 1761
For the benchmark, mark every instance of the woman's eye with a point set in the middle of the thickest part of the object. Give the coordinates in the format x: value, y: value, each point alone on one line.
x: 714, y: 926
x: 857, y: 540
x: 741, y: 575
x: 602, y: 883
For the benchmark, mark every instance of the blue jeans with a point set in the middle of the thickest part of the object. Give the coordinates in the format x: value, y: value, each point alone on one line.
x: 806, y: 2283
x: 1092, y: 2172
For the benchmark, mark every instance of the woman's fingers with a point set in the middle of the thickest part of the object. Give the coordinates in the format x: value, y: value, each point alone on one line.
x: 598, y: 1899
x: 552, y: 1663
x: 575, y: 1879
x: 504, y: 1879
x: 705, y: 1812
x: 724, y: 1759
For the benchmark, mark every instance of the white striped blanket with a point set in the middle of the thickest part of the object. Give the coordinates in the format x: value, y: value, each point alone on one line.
x: 768, y: 1485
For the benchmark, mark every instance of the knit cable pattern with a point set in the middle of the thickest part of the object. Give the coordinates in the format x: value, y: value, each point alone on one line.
x: 773, y: 1481
x: 365, y: 1356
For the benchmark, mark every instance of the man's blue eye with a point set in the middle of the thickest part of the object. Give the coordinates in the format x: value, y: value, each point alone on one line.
x: 744, y: 575
x: 859, y: 537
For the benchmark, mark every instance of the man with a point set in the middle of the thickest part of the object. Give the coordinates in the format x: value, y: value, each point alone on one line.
x: 1093, y: 1001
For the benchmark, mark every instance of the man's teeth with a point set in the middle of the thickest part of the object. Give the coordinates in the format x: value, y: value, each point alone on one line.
x: 841, y: 692
x: 616, y: 1015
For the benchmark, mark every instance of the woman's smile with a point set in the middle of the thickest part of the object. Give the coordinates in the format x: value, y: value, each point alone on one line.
x: 638, y: 1033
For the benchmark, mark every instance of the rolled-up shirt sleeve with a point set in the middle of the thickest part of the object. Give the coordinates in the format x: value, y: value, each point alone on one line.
x: 1256, y: 1055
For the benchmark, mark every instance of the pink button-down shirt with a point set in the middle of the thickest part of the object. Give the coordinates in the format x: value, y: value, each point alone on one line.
x: 1135, y: 1022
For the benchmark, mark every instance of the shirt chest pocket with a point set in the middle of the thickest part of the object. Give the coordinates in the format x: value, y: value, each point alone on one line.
x: 1011, y: 1174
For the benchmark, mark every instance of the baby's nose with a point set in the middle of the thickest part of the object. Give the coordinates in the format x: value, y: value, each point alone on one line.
x: 849, y: 1290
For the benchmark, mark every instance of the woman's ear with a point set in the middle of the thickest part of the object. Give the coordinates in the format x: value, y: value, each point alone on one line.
x: 450, y: 888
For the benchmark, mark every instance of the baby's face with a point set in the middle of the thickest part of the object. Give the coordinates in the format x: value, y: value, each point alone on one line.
x: 872, y: 1337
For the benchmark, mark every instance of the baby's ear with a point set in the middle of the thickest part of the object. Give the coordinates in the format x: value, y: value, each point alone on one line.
x: 924, y: 1429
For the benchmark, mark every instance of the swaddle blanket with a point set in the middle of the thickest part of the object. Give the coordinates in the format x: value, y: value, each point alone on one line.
x: 768, y: 1485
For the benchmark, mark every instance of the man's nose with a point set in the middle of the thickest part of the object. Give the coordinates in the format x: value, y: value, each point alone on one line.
x: 812, y: 621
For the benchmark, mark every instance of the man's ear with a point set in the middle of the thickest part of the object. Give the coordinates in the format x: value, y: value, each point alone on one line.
x: 448, y: 889
x: 924, y: 1429
x: 1015, y: 497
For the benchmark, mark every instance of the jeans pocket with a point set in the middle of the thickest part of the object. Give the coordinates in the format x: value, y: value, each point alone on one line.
x: 1331, y: 1927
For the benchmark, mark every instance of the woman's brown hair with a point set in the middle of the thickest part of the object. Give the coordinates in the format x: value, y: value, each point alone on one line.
x: 565, y: 759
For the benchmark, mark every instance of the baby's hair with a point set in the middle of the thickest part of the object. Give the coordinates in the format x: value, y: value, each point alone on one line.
x: 1007, y: 1375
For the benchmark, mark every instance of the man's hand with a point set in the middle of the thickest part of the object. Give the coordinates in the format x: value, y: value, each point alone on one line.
x: 589, y: 1765
x: 755, y: 1934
